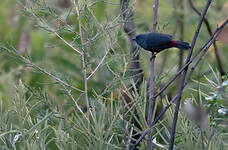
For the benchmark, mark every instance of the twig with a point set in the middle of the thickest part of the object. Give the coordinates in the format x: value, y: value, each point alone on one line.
x: 101, y: 61
x: 221, y: 70
x: 205, y: 48
x: 181, y: 87
x: 151, y: 102
x: 151, y: 87
x: 75, y: 102
x: 83, y: 59
x: 68, y: 44
x: 155, y: 121
x: 202, y: 138
x: 155, y: 6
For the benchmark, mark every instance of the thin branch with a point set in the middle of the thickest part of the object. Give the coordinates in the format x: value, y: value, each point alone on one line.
x: 151, y: 87
x: 83, y: 58
x: 151, y: 103
x: 221, y: 70
x: 68, y: 44
x: 101, y: 61
x: 54, y: 77
x: 154, y: 122
x: 181, y: 87
x: 76, y: 104
x: 155, y: 6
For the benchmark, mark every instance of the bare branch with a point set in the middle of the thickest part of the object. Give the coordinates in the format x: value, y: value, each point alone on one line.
x: 68, y: 44
x: 181, y: 87
x: 151, y: 87
x: 83, y: 59
x: 76, y: 104
x: 221, y: 70
x: 101, y: 61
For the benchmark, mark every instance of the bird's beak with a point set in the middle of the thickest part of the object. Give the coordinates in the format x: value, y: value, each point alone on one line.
x: 134, y: 39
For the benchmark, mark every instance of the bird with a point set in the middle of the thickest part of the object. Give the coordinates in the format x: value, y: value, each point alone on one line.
x: 156, y: 42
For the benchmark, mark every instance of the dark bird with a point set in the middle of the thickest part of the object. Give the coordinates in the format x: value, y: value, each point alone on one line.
x: 156, y: 42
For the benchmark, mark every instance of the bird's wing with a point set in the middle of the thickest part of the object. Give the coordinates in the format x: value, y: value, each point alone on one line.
x: 155, y: 40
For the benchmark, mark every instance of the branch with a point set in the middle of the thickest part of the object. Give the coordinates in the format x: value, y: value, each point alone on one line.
x: 83, y: 60
x: 101, y: 61
x: 181, y: 87
x: 64, y: 41
x: 76, y: 104
x: 151, y: 88
x: 155, y: 6
x: 221, y: 70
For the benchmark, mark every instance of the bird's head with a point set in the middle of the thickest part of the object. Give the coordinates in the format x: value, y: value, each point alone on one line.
x: 139, y: 39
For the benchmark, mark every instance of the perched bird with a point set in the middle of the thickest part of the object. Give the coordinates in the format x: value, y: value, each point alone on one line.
x: 156, y: 42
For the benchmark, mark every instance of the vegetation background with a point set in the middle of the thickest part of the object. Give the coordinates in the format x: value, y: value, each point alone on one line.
x: 58, y: 56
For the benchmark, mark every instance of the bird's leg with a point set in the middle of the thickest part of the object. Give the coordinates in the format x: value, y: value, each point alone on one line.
x: 153, y: 55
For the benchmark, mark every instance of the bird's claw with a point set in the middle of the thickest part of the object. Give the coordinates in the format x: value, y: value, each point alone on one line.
x: 152, y: 56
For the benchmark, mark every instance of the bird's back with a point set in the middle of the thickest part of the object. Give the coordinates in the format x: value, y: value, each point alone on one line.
x: 156, y: 40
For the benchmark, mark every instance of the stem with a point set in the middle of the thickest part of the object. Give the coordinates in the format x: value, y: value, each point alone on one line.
x: 221, y: 70
x: 184, y: 75
x: 83, y: 60
x: 155, y: 15
x: 151, y: 102
x: 151, y: 88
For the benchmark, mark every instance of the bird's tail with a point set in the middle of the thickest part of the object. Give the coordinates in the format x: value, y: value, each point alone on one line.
x: 182, y: 45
